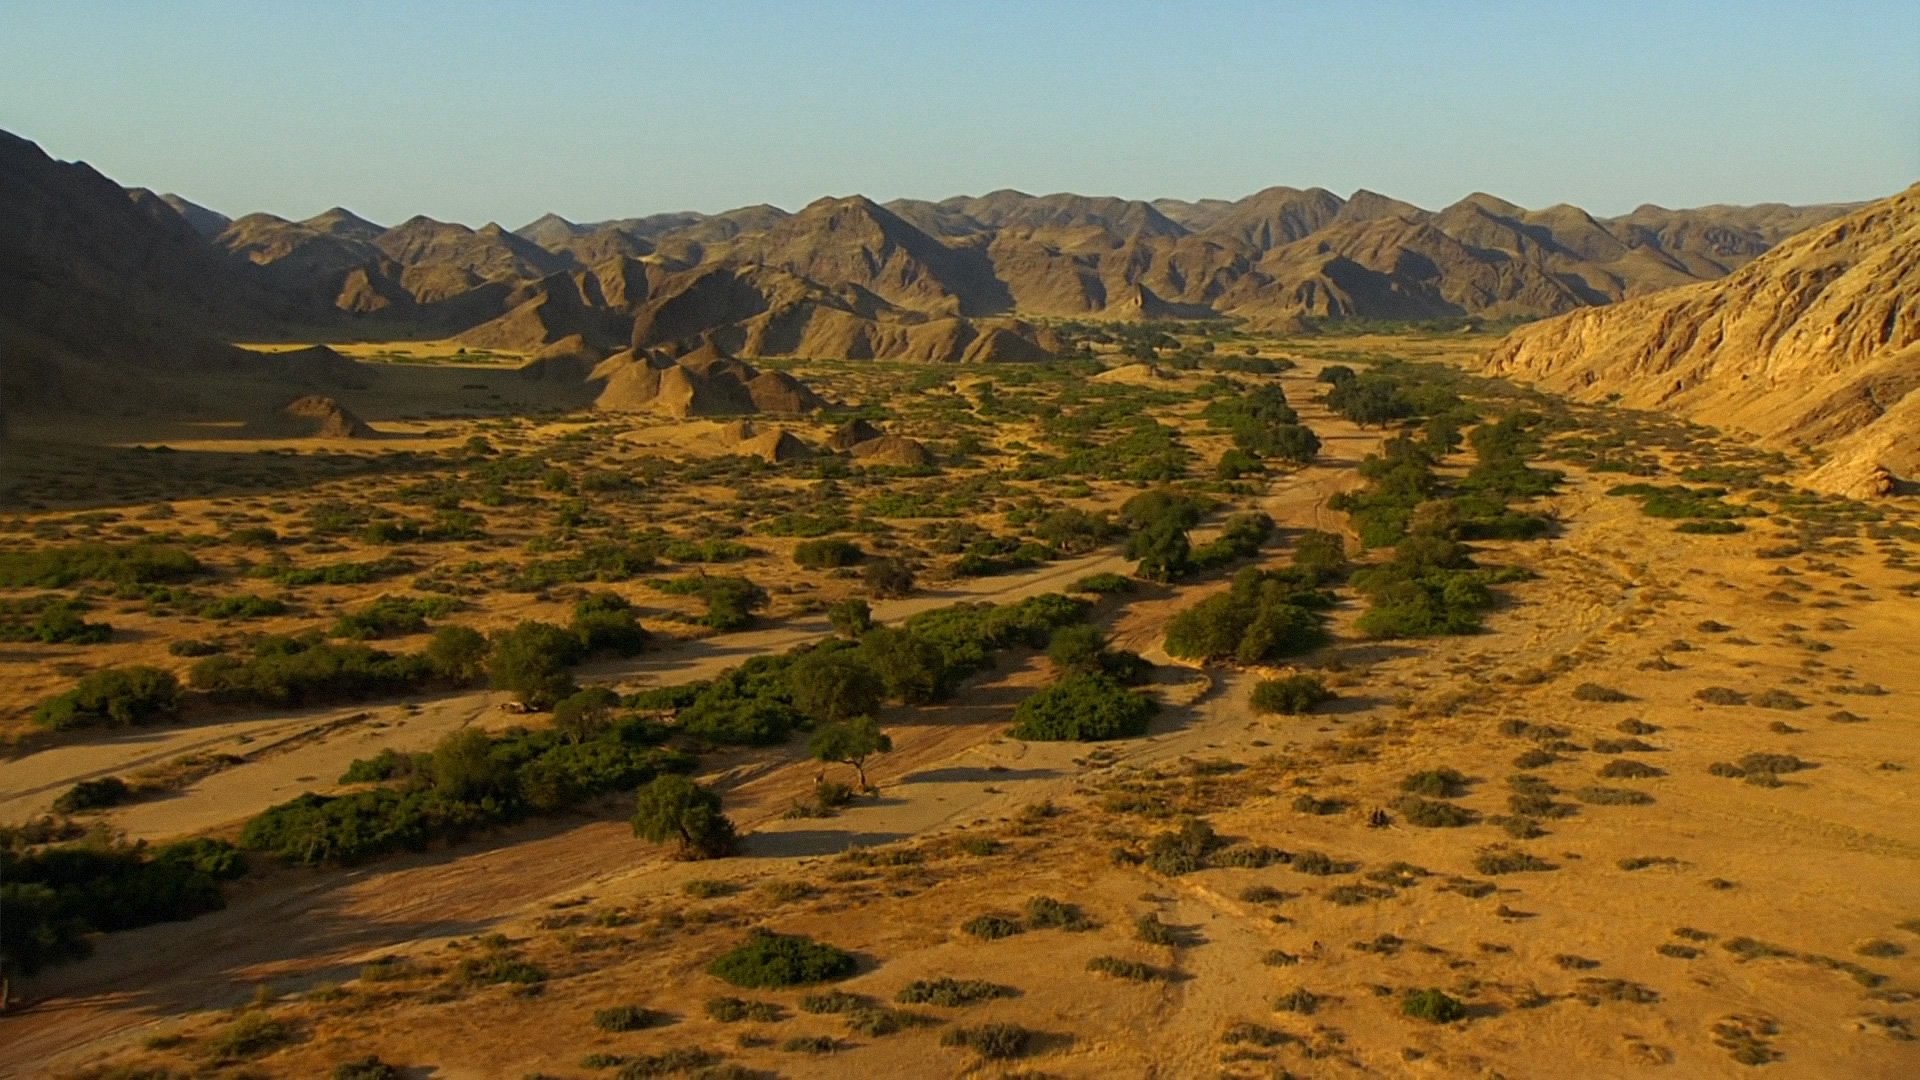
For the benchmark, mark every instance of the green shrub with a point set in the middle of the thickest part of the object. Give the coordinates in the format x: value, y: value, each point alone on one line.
x: 1432, y: 1005
x: 952, y: 993
x: 95, y: 794
x: 1298, y: 1000
x: 625, y: 1018
x: 113, y: 697
x: 1434, y: 813
x: 1610, y: 796
x: 457, y: 654
x: 835, y: 1003
x: 826, y: 554
x: 57, y: 623
x: 1264, y: 616
x: 1083, y: 708
x: 994, y: 1042
x: 1047, y: 913
x: 1587, y: 691
x: 767, y: 959
x: 1130, y: 970
x: 1290, y: 695
x: 1107, y: 583
x: 1183, y: 850
x: 1442, y: 783
x: 992, y: 926
x: 253, y: 1034
x: 732, y: 1010
x: 306, y: 670
x: 607, y: 624
x: 125, y: 564
x: 391, y: 616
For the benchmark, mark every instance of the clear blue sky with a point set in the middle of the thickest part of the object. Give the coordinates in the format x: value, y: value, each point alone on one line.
x: 478, y: 111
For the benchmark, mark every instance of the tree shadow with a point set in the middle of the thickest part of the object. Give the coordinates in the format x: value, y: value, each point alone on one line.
x: 801, y: 843
x: 970, y: 773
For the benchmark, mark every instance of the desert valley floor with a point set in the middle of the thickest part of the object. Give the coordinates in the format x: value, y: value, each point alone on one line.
x: 1657, y: 814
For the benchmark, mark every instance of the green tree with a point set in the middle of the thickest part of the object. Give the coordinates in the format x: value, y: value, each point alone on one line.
x: 113, y: 697
x: 1077, y: 648
x: 1083, y: 708
x: 605, y: 622
x: 457, y: 654
x: 584, y: 715
x: 851, y: 617
x: 534, y: 661
x: 910, y: 669
x: 465, y: 769
x: 832, y: 684
x: 851, y: 742
x: 674, y: 809
x: 1294, y: 442
x: 1162, y: 549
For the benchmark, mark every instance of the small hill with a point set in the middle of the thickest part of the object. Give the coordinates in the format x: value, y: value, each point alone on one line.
x: 897, y: 450
x: 1816, y: 342
x: 851, y: 434
x: 704, y: 383
x: 312, y: 416
x: 772, y: 445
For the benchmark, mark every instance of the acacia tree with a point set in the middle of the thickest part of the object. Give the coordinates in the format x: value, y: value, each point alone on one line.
x: 581, y: 716
x: 674, y: 808
x: 851, y: 742
x: 535, y: 661
x: 834, y: 684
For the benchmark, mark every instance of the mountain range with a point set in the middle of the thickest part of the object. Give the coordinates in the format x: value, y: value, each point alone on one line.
x: 1814, y: 345
x: 852, y: 265
x: 101, y: 282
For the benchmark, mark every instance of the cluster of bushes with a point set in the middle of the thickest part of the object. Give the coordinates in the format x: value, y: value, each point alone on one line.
x: 1263, y: 425
x: 1703, y: 509
x: 1159, y: 521
x: 827, y: 554
x: 471, y: 781
x: 1267, y: 614
x: 293, y: 671
x: 113, y: 697
x: 1430, y: 587
x: 1399, y: 478
x: 55, y: 896
x: 1083, y: 707
x: 600, y: 561
x: 54, y: 622
x: 731, y: 600
x: 1072, y: 531
x: 282, y: 571
x: 392, y: 616
x: 118, y: 564
x: 767, y: 698
x: 991, y: 555
x: 535, y: 660
x: 1290, y: 695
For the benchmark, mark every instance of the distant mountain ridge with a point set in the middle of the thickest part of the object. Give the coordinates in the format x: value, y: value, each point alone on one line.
x: 1271, y: 258
x: 100, y: 272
